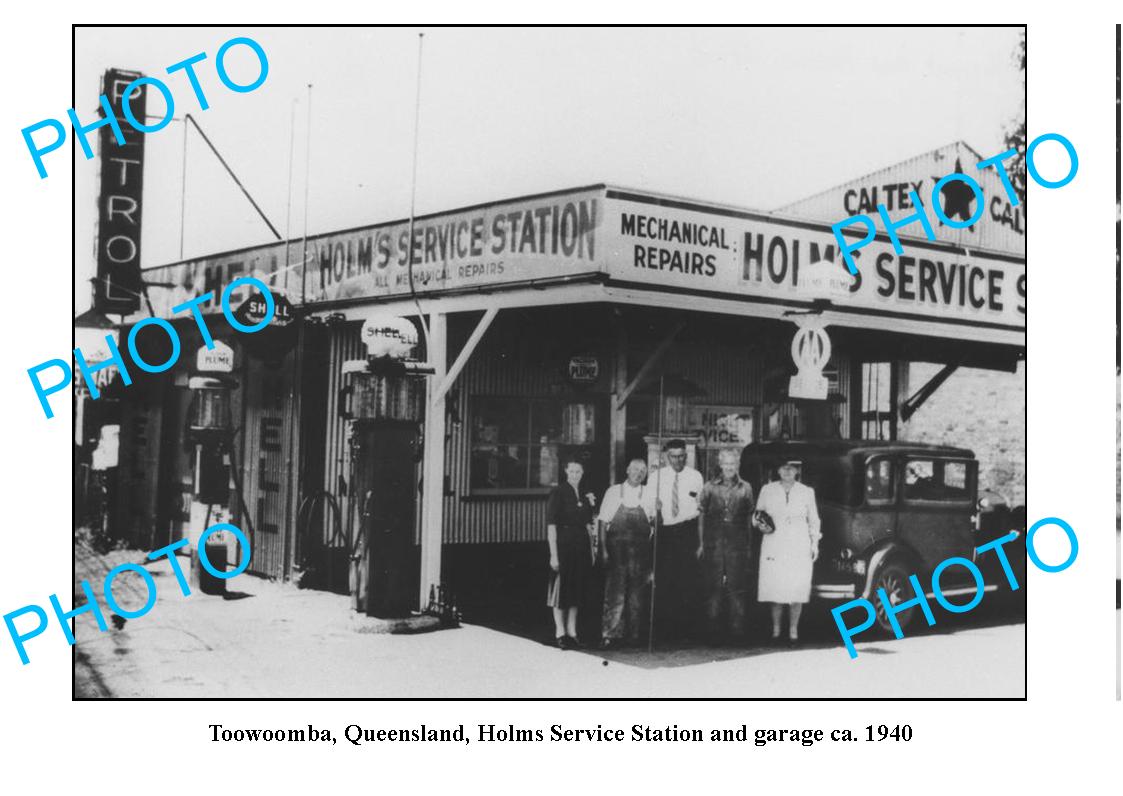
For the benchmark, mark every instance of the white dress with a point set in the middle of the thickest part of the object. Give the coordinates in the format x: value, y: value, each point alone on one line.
x: 785, y: 554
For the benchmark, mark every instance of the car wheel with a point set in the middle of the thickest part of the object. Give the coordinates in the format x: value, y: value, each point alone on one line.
x: 893, y: 577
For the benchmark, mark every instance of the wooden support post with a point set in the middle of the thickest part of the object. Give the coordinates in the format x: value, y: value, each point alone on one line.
x: 897, y: 395
x: 618, y: 414
x: 433, y: 460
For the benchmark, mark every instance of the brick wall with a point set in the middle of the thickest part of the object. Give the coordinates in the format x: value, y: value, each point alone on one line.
x: 983, y: 410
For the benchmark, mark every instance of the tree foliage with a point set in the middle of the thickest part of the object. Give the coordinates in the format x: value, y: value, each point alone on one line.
x: 1015, y: 135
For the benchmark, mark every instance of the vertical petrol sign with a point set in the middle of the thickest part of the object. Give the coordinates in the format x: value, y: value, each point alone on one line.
x: 118, y: 284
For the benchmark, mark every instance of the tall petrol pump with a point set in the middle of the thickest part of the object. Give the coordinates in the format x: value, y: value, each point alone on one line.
x: 383, y: 400
x: 209, y: 431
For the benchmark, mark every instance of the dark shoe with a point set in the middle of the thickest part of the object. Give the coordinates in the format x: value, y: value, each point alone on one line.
x: 575, y: 643
x: 563, y: 643
x: 793, y: 642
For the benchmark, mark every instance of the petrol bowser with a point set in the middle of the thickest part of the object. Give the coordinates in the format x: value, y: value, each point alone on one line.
x: 208, y: 432
x: 383, y: 399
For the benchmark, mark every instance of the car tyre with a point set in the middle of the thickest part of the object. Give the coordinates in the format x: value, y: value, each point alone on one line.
x: 892, y: 576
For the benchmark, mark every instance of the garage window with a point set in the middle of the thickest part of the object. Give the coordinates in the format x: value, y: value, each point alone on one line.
x: 518, y: 444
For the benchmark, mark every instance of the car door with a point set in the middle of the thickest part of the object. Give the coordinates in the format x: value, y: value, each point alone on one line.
x: 934, y: 514
x: 876, y: 519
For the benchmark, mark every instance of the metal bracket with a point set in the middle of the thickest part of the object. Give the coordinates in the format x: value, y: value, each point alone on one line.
x: 910, y: 406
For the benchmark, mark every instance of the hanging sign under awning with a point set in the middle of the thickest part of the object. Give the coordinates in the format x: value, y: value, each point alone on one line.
x: 278, y: 338
x: 253, y: 310
x: 219, y: 359
x: 583, y: 369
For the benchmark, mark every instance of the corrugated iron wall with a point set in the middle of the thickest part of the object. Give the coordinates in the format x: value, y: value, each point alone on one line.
x: 729, y: 374
x: 267, y: 466
x: 344, y: 344
x: 492, y: 519
x: 177, y: 475
x: 138, y: 465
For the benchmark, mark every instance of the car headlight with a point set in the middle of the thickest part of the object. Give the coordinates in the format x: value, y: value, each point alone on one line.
x: 859, y: 567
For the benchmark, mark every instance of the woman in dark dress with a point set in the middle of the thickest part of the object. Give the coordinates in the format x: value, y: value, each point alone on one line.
x: 569, y: 515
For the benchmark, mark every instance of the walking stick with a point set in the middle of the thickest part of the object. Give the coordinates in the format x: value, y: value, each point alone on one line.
x: 654, y: 553
x: 658, y: 522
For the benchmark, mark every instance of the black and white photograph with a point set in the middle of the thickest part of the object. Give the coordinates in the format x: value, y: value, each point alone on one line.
x: 599, y: 363
x: 1118, y: 358
x: 513, y: 398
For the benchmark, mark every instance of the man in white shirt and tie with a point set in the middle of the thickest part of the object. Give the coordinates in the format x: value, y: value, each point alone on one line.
x: 679, y: 546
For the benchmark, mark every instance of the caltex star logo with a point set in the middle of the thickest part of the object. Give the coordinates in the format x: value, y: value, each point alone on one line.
x: 956, y: 198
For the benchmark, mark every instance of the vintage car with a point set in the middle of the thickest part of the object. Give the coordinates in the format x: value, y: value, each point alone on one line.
x: 890, y: 510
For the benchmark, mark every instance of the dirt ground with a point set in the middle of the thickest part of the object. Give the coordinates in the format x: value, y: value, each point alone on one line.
x: 264, y: 639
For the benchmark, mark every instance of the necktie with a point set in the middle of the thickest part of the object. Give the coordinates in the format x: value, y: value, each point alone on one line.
x: 674, y: 498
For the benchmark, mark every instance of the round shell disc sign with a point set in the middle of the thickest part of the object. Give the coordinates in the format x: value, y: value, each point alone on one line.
x: 253, y: 311
x: 272, y: 343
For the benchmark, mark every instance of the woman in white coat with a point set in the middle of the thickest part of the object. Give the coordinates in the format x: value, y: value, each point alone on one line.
x: 787, y: 553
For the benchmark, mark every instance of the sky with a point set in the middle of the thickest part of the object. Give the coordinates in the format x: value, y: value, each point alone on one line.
x: 752, y: 117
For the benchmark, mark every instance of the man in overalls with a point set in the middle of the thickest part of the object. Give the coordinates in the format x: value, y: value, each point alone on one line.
x: 626, y: 514
x: 726, y: 528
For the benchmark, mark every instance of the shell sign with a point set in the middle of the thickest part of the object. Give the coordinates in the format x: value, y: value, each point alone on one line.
x: 389, y: 336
